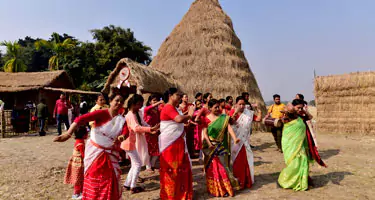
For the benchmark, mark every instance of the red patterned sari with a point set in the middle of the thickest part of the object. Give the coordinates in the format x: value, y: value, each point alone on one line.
x: 241, y: 153
x: 102, y: 170
x: 176, y: 179
x: 219, y: 178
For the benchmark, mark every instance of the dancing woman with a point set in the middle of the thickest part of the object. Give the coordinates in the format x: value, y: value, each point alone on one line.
x: 152, y: 118
x: 216, y: 148
x: 298, y: 147
x: 176, y: 179
x: 102, y: 171
x: 242, y: 155
x: 135, y: 145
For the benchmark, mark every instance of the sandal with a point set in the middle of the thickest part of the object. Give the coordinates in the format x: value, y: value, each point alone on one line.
x: 137, y: 190
x: 127, y: 188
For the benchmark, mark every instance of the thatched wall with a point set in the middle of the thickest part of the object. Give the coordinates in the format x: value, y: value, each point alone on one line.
x: 345, y: 103
x: 143, y: 78
x: 203, y: 54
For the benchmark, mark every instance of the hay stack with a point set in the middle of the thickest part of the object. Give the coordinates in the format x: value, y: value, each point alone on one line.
x: 346, y: 103
x: 203, y: 53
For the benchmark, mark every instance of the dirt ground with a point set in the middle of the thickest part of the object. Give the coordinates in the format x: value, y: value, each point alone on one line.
x: 33, y: 167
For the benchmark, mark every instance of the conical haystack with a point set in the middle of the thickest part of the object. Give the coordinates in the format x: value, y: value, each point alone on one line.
x: 203, y: 53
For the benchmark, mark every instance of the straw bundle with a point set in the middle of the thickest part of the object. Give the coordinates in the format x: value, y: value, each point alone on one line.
x: 345, y: 103
x: 203, y: 54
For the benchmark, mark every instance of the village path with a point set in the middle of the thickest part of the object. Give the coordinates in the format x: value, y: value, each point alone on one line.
x: 33, y: 167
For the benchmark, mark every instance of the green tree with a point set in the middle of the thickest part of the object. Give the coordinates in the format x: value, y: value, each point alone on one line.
x: 14, y: 63
x: 1, y: 61
x: 58, y: 48
x: 83, y: 64
x: 36, y: 60
x: 312, y: 103
x: 112, y: 44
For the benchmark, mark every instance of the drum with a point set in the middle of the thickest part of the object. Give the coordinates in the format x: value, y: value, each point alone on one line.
x: 272, y: 122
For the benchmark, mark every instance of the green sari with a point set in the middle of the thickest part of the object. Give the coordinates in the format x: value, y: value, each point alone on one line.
x: 295, y: 147
x: 219, y: 178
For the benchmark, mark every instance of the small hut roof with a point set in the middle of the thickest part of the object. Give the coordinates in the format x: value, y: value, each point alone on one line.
x: 23, y: 81
x: 146, y: 79
x: 203, y: 54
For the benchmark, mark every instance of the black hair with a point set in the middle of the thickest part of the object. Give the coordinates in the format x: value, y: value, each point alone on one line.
x: 205, y: 96
x: 276, y: 96
x: 169, y: 92
x: 198, y: 95
x: 100, y: 95
x: 298, y: 102
x: 239, y: 98
x: 43, y: 100
x: 228, y: 98
x: 221, y: 100
x: 301, y: 96
x: 198, y: 101
x: 80, y: 132
x: 212, y: 102
x: 150, y: 98
x: 63, y: 93
x: 245, y: 94
x: 114, y: 92
x: 134, y: 100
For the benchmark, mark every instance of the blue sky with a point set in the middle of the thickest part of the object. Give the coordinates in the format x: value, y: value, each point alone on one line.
x: 283, y: 40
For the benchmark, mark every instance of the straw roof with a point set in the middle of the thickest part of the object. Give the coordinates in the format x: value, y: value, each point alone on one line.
x: 346, y: 103
x: 71, y: 91
x: 145, y: 79
x: 23, y: 81
x: 203, y: 54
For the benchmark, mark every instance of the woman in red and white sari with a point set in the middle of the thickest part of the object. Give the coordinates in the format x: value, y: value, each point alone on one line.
x: 176, y: 179
x: 102, y: 169
x: 241, y: 154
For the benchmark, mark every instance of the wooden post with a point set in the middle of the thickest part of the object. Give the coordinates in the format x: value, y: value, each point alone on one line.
x: 2, y: 123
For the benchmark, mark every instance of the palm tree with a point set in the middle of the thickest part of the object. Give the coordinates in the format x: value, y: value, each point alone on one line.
x: 15, y: 63
x: 59, y: 49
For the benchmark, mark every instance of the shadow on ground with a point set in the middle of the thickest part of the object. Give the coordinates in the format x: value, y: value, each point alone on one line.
x: 334, y: 177
x: 325, y: 154
x: 263, y: 146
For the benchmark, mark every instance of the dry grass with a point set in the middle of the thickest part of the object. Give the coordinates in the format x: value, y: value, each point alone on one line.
x: 203, y: 54
x: 345, y: 103
x: 34, y: 167
x: 146, y: 79
x: 22, y: 81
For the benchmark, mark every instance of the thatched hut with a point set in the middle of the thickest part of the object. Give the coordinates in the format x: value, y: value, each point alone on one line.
x: 142, y: 79
x: 203, y: 54
x: 345, y: 103
x: 19, y: 88
x: 16, y: 89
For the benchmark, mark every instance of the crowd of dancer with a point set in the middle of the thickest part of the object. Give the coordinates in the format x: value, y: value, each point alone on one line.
x: 172, y: 130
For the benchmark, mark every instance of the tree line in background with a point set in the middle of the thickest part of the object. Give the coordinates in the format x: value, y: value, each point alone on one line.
x: 88, y: 63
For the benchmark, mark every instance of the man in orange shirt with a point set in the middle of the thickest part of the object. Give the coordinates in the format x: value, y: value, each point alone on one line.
x: 276, y: 111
